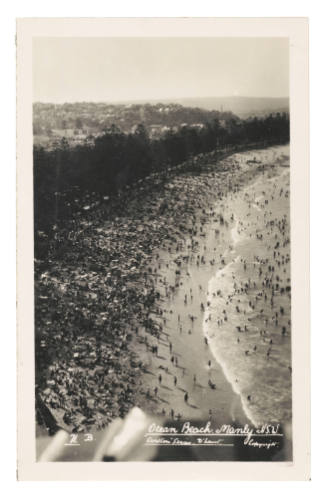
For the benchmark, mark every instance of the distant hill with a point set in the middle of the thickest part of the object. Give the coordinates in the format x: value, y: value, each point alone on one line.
x: 241, y: 106
x: 76, y: 121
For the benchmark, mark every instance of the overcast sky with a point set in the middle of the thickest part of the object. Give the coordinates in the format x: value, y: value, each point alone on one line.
x: 118, y: 69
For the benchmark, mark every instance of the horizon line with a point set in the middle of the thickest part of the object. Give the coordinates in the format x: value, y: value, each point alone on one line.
x: 155, y: 99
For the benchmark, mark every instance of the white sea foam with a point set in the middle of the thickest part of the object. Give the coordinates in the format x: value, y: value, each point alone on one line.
x: 221, y: 280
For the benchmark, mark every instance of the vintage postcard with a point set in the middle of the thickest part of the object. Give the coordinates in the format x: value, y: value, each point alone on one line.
x: 163, y: 262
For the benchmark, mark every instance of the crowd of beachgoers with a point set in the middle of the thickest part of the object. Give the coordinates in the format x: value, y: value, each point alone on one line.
x: 113, y: 323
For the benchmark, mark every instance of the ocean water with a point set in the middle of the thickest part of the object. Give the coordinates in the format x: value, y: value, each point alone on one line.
x: 248, y: 316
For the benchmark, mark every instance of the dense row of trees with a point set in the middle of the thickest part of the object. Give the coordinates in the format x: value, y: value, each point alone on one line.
x: 116, y: 159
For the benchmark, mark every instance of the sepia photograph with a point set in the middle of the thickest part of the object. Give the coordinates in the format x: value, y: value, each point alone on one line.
x: 162, y: 248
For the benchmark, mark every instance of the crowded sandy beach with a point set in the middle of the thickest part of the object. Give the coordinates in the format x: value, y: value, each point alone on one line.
x: 223, y: 350
x: 186, y: 296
